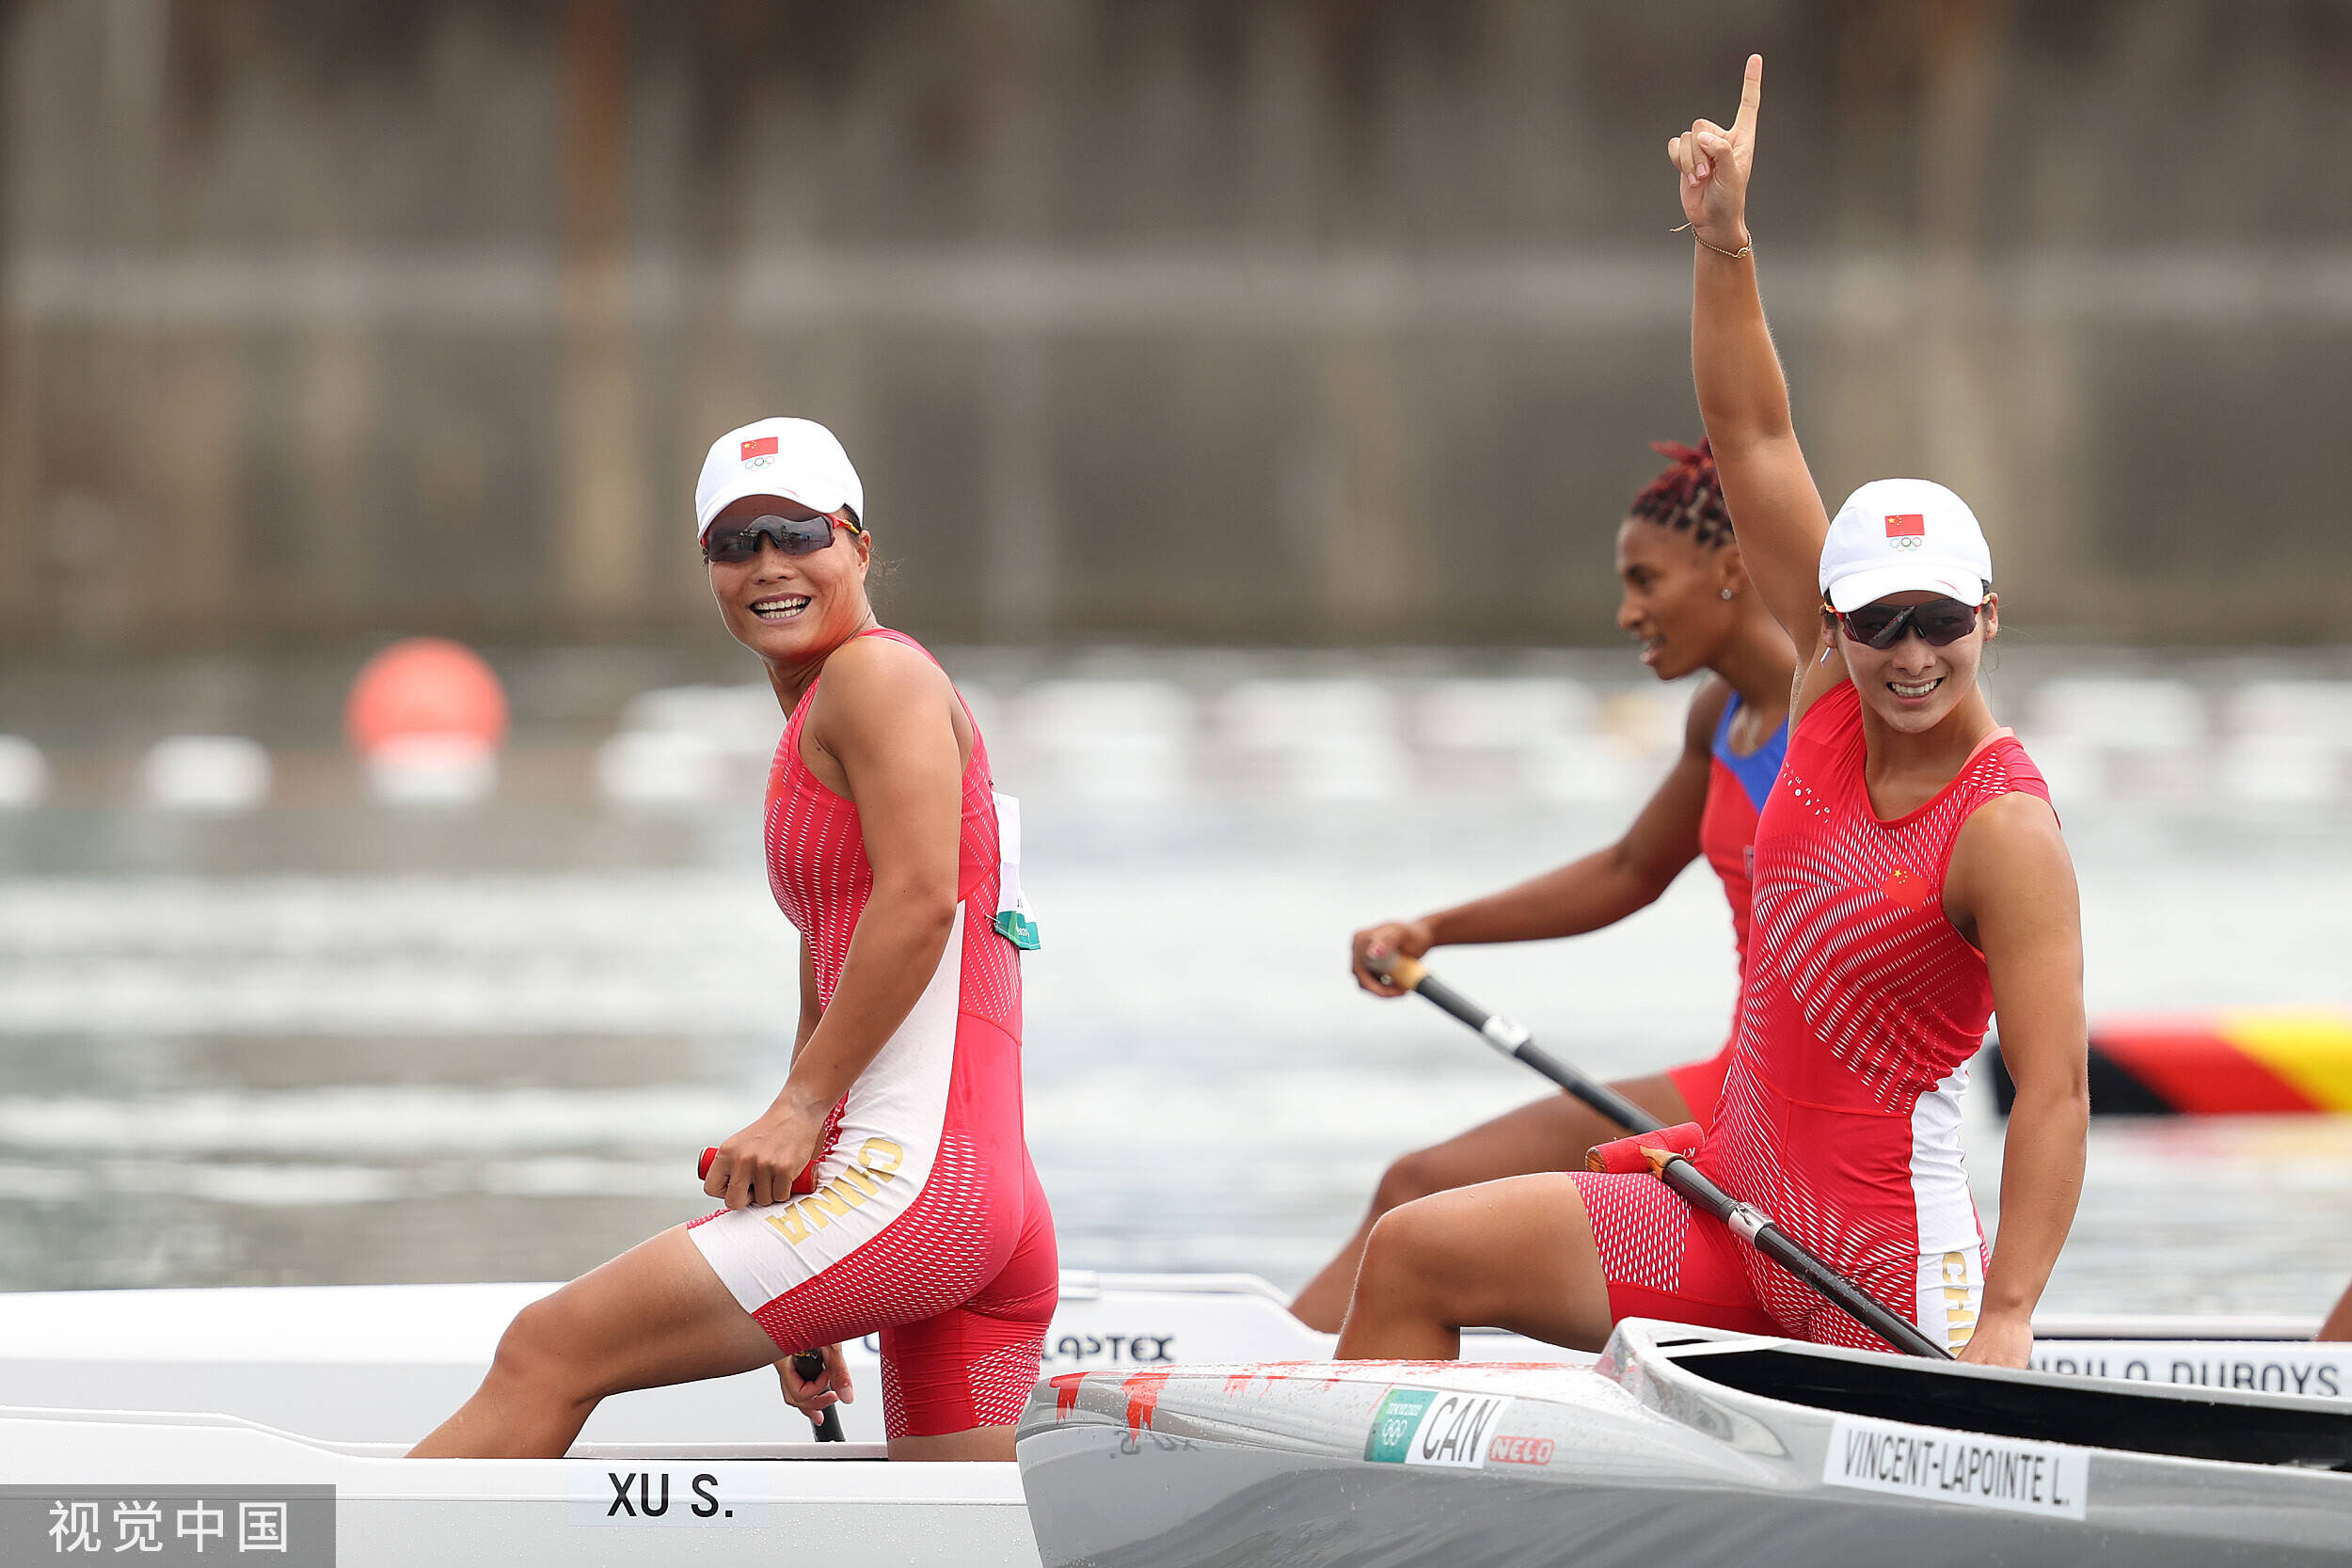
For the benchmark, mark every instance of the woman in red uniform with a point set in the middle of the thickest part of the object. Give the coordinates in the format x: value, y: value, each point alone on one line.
x: 1690, y: 606
x: 888, y: 1188
x: 1909, y: 877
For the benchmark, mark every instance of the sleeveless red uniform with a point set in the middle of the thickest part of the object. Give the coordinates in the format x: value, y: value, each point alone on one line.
x: 926, y: 1221
x: 1737, y: 787
x: 1859, y: 1011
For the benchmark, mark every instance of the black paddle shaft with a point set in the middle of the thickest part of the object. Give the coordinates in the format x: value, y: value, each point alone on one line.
x: 1517, y: 1044
x: 1749, y: 1222
x: 810, y: 1363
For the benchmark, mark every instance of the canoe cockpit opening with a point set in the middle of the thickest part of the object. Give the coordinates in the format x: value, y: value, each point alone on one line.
x: 2182, y: 1422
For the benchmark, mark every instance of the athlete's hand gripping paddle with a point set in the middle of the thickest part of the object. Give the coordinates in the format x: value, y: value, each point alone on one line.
x: 809, y: 1364
x: 1663, y: 1150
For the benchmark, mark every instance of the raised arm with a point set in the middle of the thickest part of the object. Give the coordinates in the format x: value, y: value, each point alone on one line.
x: 1743, y: 397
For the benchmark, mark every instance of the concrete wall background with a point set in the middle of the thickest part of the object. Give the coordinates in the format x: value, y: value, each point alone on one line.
x: 1186, y: 319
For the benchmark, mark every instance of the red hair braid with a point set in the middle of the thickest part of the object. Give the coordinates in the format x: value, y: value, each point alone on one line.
x: 1688, y: 495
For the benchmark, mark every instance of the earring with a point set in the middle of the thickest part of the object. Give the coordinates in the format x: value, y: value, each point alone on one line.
x: 1727, y: 593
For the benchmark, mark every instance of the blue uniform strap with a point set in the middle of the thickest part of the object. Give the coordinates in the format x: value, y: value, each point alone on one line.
x: 1756, y: 771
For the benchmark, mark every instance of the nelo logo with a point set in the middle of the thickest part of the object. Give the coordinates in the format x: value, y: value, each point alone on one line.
x: 1906, y: 531
x: 1521, y: 1451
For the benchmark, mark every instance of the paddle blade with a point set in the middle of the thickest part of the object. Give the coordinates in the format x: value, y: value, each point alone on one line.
x: 1625, y: 1156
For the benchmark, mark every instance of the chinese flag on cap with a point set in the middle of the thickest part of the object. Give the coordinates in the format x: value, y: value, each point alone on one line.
x: 764, y: 445
x: 1904, y: 525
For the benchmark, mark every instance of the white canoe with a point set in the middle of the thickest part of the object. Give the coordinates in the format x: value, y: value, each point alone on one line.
x: 385, y: 1363
x: 323, y: 1386
x: 180, y: 1394
x: 1679, y: 1446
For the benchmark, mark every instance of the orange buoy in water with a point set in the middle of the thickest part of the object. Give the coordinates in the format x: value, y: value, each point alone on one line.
x: 427, y: 716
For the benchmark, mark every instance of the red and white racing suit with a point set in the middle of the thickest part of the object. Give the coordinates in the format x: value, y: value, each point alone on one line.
x: 1859, y: 1011
x: 926, y: 1222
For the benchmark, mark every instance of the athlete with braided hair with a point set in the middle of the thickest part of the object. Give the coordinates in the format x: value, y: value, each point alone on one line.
x: 1909, y: 877
x: 1689, y: 603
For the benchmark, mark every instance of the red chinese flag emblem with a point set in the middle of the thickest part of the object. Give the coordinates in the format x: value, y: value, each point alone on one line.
x: 765, y: 446
x: 1901, y: 524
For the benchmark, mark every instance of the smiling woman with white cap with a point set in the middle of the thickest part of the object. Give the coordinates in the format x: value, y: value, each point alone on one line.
x: 888, y: 1188
x: 1909, y: 876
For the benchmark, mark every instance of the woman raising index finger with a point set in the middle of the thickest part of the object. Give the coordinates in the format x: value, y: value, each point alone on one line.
x: 1913, y: 878
x: 1909, y: 876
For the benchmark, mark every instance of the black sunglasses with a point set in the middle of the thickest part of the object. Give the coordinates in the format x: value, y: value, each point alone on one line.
x: 1939, y: 622
x: 805, y: 533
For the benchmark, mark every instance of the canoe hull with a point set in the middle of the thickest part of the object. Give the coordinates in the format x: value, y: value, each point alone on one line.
x: 385, y: 1363
x: 183, y: 1386
x: 1638, y: 1461
x: 624, y: 1509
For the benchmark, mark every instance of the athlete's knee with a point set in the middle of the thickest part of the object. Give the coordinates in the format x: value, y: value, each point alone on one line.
x: 1409, y: 1176
x: 538, y: 1350
x: 1401, y: 1253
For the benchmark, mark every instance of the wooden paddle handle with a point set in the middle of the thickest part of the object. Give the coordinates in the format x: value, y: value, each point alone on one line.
x: 1402, y: 970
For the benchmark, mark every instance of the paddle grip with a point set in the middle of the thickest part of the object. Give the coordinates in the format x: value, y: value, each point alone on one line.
x: 1626, y: 1156
x: 810, y: 1363
x: 802, y: 1185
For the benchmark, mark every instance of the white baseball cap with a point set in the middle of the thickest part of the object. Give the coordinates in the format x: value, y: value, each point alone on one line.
x: 1902, y: 536
x: 799, y: 460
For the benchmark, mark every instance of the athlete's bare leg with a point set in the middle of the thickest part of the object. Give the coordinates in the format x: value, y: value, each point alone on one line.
x: 1515, y: 1254
x: 989, y: 1443
x: 1548, y: 1135
x: 653, y: 1315
x: 2339, y: 1324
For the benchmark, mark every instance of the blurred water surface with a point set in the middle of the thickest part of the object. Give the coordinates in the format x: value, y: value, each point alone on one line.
x: 337, y: 1041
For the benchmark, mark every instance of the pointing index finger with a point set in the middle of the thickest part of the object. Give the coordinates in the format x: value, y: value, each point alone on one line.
x: 1751, y: 93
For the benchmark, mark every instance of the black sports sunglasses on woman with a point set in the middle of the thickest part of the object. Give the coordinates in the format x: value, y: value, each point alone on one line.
x: 1940, y: 621
x: 796, y: 530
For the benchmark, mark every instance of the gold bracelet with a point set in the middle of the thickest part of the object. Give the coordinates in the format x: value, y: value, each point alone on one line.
x: 1735, y: 255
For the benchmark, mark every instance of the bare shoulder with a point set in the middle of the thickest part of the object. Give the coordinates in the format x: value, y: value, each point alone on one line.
x: 1707, y: 711
x: 2012, y: 840
x: 878, y: 681
x: 2019, y: 816
x: 883, y: 664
